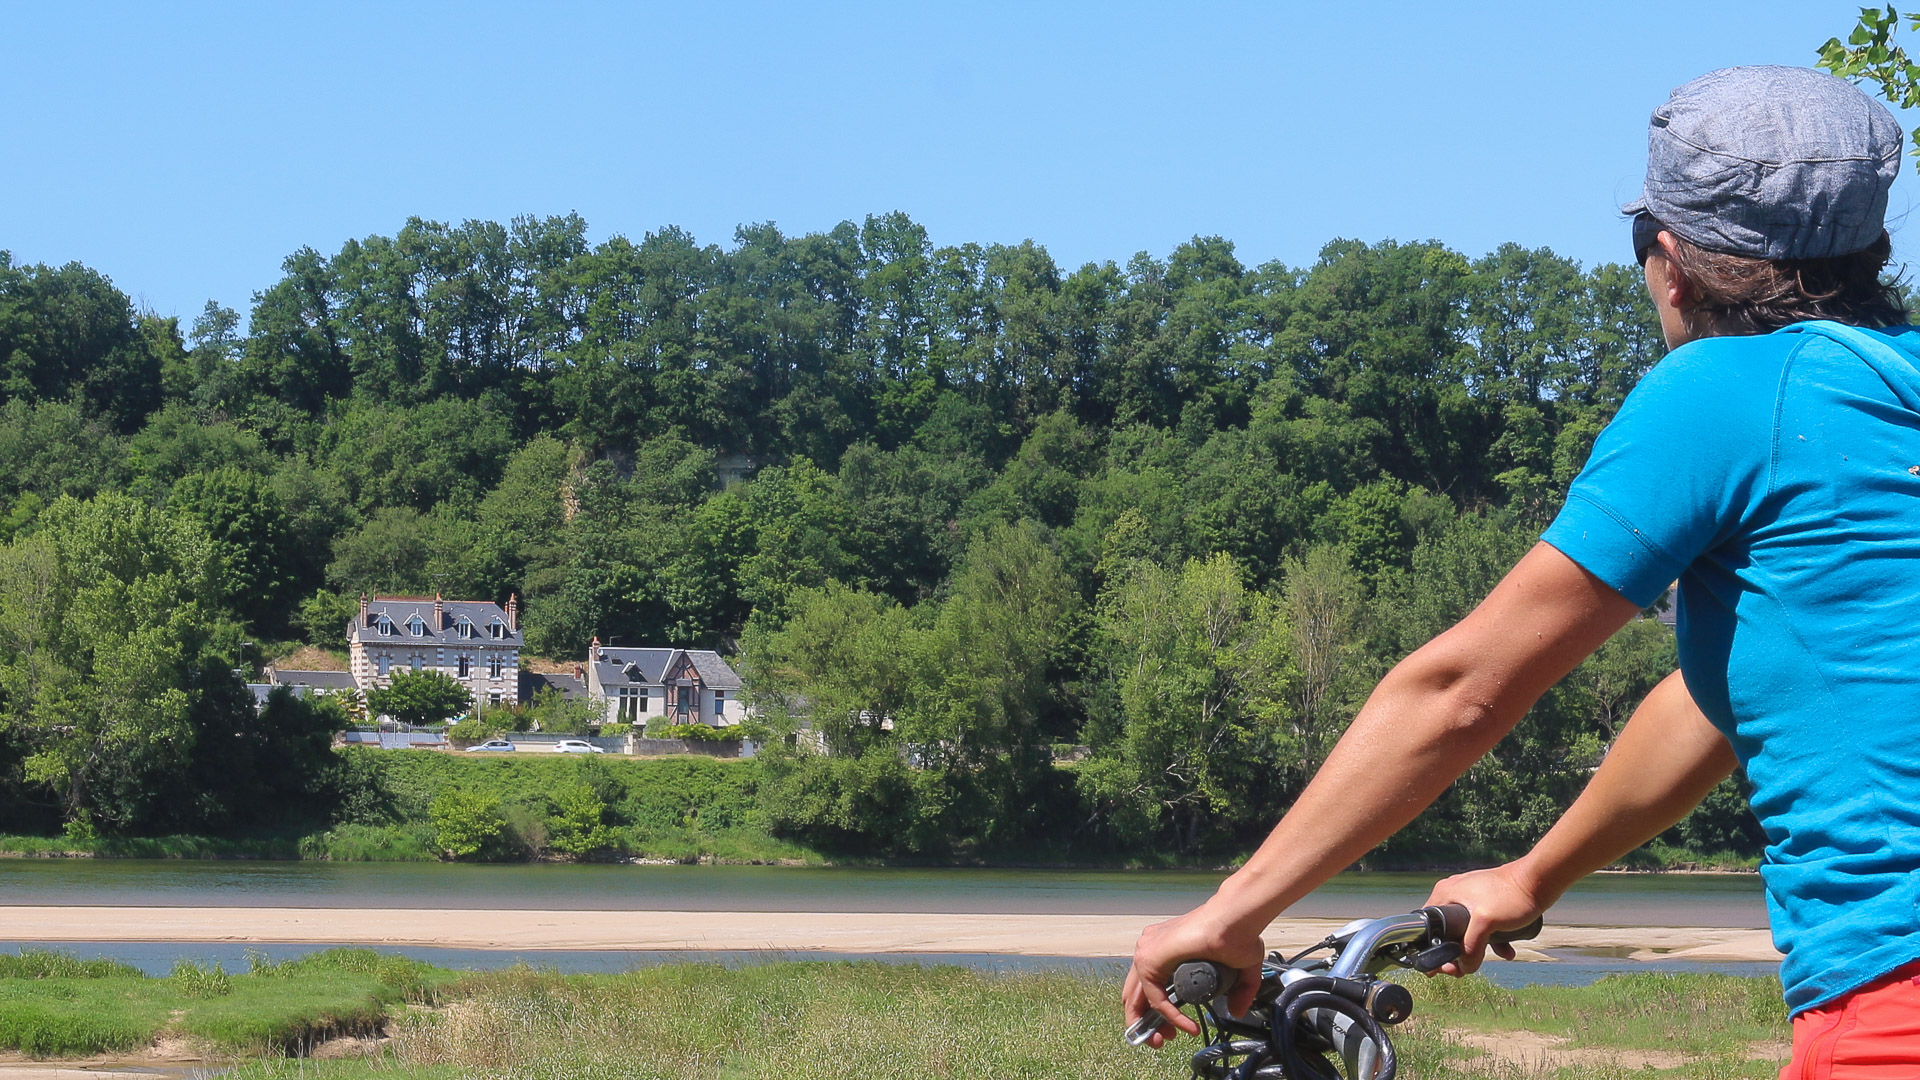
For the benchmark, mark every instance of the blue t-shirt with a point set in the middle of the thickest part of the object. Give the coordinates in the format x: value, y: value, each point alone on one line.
x: 1778, y: 479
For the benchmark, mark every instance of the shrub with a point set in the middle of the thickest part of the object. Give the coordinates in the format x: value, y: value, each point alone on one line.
x: 696, y: 733
x: 466, y: 824
x: 578, y: 825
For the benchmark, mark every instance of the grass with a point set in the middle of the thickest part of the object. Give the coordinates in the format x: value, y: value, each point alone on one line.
x: 53, y: 1005
x: 840, y: 1021
x: 812, y: 1021
x: 360, y: 1069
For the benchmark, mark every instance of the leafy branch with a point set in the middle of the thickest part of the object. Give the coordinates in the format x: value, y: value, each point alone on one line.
x: 1869, y: 55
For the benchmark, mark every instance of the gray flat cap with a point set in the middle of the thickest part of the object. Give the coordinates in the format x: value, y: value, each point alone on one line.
x: 1771, y: 163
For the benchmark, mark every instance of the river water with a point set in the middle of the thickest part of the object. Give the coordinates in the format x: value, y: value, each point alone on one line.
x: 1730, y: 900
x: 1712, y: 900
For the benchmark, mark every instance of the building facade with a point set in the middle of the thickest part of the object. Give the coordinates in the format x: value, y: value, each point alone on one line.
x: 668, y: 686
x: 474, y: 642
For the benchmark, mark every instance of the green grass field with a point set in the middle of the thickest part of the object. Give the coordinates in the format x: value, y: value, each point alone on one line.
x: 821, y: 1021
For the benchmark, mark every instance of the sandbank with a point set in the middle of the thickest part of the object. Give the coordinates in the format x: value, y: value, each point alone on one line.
x: 649, y: 931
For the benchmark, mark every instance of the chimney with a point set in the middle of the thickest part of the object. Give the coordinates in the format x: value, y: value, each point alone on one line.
x: 513, y: 613
x: 438, y: 617
x: 593, y: 650
x: 579, y: 672
x: 364, y: 620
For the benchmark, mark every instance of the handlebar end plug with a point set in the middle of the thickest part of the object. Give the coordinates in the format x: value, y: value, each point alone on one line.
x: 1390, y: 1003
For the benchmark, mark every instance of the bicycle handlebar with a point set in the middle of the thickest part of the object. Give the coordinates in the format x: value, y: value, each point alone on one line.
x: 1336, y: 1004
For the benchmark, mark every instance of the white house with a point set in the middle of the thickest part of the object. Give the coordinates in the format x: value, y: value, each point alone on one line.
x: 677, y: 686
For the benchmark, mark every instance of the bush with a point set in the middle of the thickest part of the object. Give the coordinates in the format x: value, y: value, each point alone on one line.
x: 466, y: 824
x: 474, y: 730
x: 372, y: 843
x: 696, y: 733
x: 578, y: 825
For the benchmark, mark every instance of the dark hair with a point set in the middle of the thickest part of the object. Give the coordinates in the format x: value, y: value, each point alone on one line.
x: 1738, y: 294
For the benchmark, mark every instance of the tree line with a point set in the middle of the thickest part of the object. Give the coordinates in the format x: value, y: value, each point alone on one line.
x: 956, y: 508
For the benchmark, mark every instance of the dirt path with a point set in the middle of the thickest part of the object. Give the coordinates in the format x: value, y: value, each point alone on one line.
x: 1542, y: 1055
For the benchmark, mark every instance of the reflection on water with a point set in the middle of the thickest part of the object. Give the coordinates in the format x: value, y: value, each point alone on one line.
x: 1608, y: 899
x: 157, y: 958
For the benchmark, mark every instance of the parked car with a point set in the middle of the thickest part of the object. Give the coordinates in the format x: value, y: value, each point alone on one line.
x: 576, y: 746
x: 492, y: 744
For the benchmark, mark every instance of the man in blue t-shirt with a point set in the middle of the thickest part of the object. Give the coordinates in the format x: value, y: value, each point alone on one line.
x: 1771, y: 466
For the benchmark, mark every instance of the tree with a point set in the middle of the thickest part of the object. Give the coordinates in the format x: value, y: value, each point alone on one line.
x: 1198, y: 662
x: 116, y: 661
x: 1324, y: 604
x: 419, y: 698
x: 1870, y: 55
x: 244, y: 516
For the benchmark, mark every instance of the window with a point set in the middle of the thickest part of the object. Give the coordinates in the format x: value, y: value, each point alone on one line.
x: 466, y: 667
x: 385, y: 626
x: 416, y: 662
x: 719, y: 703
x: 631, y: 700
x: 416, y: 626
x: 465, y: 627
x: 381, y: 662
x: 493, y: 667
x: 493, y: 697
x: 497, y: 629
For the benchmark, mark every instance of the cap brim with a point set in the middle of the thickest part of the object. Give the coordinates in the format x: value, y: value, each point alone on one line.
x: 1635, y: 208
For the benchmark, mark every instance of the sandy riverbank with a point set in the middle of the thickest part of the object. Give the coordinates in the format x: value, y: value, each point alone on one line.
x: 1026, y: 934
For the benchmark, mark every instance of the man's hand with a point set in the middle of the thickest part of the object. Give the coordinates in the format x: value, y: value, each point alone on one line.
x: 1197, y: 935
x: 1502, y: 898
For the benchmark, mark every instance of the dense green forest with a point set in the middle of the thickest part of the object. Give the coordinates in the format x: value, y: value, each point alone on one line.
x: 953, y: 508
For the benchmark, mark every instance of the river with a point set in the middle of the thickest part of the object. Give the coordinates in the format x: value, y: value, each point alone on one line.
x: 1716, y: 900
x: 1707, y: 900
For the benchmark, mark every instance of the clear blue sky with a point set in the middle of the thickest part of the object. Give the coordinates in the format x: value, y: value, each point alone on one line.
x: 185, y: 150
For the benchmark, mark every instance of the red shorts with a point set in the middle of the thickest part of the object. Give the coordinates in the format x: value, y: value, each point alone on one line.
x: 1870, y: 1034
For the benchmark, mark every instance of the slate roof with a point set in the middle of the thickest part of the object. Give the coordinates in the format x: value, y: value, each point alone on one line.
x: 400, y: 610
x: 319, y: 680
x: 652, y: 664
x: 715, y: 672
x: 569, y: 686
x: 655, y: 663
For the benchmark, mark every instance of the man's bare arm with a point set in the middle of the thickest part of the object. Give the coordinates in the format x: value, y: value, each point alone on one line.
x: 1434, y: 715
x: 1665, y: 761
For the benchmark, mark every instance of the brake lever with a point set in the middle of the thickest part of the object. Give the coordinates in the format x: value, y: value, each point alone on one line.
x: 1195, y: 982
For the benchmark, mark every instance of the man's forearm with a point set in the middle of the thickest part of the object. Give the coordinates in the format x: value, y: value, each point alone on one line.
x: 1664, y: 762
x: 1409, y: 742
x: 1435, y: 714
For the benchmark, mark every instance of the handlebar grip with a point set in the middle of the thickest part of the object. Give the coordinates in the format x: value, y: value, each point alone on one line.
x: 1525, y: 933
x: 1452, y: 919
x: 1195, y: 982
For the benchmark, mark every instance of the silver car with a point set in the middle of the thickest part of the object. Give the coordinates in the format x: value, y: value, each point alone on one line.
x: 576, y: 746
x: 491, y: 744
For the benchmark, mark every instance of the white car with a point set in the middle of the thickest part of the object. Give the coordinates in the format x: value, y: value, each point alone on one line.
x: 576, y: 746
x: 491, y: 744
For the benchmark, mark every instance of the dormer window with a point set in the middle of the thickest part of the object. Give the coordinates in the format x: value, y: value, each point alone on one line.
x: 465, y: 627
x: 497, y: 629
x: 631, y: 671
x: 385, y: 626
x: 416, y: 626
